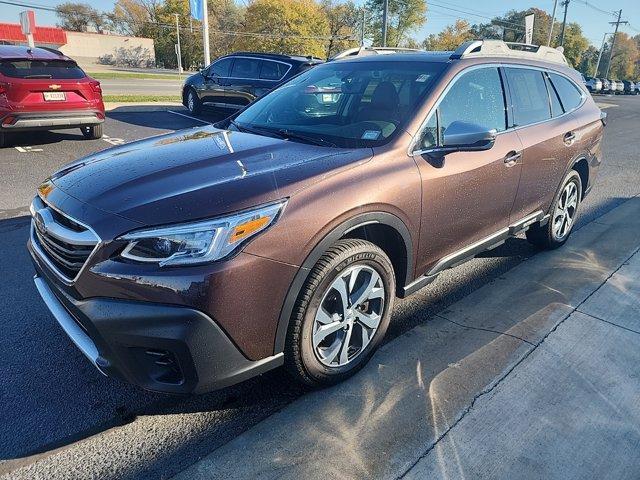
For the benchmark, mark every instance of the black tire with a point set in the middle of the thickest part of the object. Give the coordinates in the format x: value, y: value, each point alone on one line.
x: 194, y: 105
x: 543, y: 236
x: 301, y: 359
x: 94, y: 132
x: 3, y: 140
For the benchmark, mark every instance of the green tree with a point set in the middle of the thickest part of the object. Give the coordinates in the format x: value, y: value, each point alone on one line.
x: 575, y: 44
x: 344, y: 20
x: 405, y: 17
x: 588, y: 61
x: 284, y: 26
x: 625, y: 58
x: 224, y: 16
x: 77, y: 17
x: 450, y: 38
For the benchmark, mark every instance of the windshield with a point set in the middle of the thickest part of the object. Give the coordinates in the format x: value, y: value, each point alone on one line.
x: 58, y: 69
x: 346, y: 104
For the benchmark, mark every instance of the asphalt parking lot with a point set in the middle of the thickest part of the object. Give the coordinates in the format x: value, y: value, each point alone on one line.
x: 60, y: 418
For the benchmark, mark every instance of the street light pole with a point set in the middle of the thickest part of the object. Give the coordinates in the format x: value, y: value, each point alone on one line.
x: 604, y: 38
x: 205, y: 33
x: 178, y: 50
x: 385, y: 20
x: 553, y: 19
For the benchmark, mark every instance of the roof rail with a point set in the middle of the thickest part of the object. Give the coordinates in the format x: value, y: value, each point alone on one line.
x: 498, y: 48
x: 364, y: 51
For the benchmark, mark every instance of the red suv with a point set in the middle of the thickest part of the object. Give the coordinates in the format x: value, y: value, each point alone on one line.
x: 42, y: 89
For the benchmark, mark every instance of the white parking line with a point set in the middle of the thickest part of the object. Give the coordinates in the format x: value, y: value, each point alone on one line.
x: 189, y: 116
x: 28, y: 149
x: 112, y: 140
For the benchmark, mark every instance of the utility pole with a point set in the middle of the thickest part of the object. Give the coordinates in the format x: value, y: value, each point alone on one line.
x: 205, y: 33
x: 385, y: 19
x: 553, y: 19
x: 565, y: 4
x: 364, y: 22
x: 178, y: 51
x: 613, y: 40
x: 604, y: 38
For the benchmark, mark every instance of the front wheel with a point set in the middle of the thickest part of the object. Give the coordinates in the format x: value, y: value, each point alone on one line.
x: 563, y: 217
x: 94, y: 132
x: 342, y: 313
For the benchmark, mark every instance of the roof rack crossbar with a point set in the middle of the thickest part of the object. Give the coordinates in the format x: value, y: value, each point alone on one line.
x: 363, y: 51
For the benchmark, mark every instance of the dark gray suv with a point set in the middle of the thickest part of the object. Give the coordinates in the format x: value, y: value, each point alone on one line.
x: 234, y: 81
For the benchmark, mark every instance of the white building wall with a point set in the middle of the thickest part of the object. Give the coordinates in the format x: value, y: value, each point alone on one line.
x: 88, y: 48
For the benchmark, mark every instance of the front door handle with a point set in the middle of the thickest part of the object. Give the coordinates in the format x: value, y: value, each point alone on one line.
x: 568, y: 138
x: 512, y: 158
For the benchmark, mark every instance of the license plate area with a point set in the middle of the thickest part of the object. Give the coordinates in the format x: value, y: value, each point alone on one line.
x: 54, y: 96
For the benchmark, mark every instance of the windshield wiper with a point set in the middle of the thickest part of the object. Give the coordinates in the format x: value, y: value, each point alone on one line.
x: 306, y: 138
x: 255, y: 131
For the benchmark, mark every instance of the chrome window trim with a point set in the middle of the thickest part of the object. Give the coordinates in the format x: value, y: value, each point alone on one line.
x: 43, y: 256
x: 413, y: 153
x: 254, y: 58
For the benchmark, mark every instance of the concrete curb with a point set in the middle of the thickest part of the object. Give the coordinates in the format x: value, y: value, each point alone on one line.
x: 143, y: 107
x: 447, y: 399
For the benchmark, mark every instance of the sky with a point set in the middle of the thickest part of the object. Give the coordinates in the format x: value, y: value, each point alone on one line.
x: 588, y: 13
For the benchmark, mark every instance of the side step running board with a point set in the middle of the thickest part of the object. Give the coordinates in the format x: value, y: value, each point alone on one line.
x: 470, y: 251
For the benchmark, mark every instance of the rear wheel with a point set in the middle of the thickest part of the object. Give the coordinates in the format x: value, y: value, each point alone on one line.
x: 193, y: 102
x: 342, y: 313
x: 93, y: 132
x: 563, y: 216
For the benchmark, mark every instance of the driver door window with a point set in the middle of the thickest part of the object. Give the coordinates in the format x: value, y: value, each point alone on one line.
x: 476, y: 97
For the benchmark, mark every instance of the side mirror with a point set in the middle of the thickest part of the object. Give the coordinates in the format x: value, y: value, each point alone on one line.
x: 468, y: 137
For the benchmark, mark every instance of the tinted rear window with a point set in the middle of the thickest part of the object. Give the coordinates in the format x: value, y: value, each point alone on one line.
x: 59, y: 69
x: 569, y: 94
x: 273, y: 70
x: 245, y: 68
x: 529, y: 96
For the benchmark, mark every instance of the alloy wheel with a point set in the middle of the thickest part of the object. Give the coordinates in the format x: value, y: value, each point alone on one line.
x: 348, y: 316
x: 565, y: 211
x: 191, y: 102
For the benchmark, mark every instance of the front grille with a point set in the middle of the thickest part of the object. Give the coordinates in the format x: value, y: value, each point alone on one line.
x: 64, y: 243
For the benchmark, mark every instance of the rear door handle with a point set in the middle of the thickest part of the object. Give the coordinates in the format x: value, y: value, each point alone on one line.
x: 569, y: 137
x: 512, y: 158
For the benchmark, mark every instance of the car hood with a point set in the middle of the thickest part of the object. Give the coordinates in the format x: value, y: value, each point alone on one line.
x: 198, y: 173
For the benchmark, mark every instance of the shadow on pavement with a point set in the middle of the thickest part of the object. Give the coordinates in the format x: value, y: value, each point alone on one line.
x: 52, y: 397
x: 161, y: 118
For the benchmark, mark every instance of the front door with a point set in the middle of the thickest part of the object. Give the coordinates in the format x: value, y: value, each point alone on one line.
x: 467, y: 196
x: 216, y: 77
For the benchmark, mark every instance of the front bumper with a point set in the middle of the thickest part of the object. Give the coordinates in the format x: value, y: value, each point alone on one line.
x: 20, y: 121
x: 165, y: 348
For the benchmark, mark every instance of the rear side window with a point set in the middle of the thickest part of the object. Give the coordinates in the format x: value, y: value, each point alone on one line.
x: 246, y: 68
x: 54, y: 69
x: 273, y: 70
x: 221, y: 68
x: 570, y: 96
x: 476, y: 97
x: 529, y: 96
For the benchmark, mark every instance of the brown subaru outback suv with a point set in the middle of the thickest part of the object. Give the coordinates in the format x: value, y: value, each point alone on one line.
x: 281, y: 236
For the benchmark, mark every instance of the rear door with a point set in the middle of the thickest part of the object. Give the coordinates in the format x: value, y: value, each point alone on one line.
x: 547, y: 132
x: 36, y: 85
x: 240, y: 90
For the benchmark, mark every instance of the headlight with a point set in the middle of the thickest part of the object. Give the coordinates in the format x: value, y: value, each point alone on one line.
x: 199, y: 242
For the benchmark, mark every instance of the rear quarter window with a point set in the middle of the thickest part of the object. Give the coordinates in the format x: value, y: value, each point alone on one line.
x: 48, y: 69
x: 569, y: 94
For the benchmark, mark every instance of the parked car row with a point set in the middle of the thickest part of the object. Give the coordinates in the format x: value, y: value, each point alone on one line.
x: 605, y: 85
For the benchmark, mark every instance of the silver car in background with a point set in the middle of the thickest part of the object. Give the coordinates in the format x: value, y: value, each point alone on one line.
x: 594, y: 85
